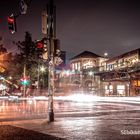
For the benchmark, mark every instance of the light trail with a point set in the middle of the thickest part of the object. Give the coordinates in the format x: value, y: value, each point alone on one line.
x: 83, y: 98
x: 91, y: 98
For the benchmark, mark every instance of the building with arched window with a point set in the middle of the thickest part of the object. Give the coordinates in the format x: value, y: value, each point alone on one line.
x: 117, y: 76
x: 83, y: 68
x: 121, y: 76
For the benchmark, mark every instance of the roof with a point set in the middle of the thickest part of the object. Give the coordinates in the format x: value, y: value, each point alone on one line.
x: 85, y: 54
x: 124, y: 55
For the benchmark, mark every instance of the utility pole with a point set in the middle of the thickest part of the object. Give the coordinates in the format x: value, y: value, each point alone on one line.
x: 24, y: 75
x: 51, y: 37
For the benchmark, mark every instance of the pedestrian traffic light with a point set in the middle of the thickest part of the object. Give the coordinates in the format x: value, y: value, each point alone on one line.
x: 12, y: 23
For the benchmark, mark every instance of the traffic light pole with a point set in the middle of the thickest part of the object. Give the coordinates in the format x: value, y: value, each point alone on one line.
x: 51, y: 28
x: 51, y: 85
x: 51, y: 34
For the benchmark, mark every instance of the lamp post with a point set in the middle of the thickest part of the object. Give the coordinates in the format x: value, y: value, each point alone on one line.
x: 24, y: 75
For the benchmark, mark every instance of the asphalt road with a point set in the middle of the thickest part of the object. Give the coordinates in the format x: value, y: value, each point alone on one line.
x: 77, y: 117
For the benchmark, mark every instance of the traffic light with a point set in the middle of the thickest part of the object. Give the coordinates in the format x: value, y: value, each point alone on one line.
x: 45, y: 43
x: 57, y: 51
x: 42, y: 48
x: 42, y: 44
x: 39, y: 44
x: 24, y: 81
x: 39, y: 48
x: 45, y: 54
x: 12, y: 23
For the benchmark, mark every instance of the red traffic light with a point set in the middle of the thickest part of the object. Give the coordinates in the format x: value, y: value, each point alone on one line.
x: 10, y: 20
x: 11, y: 23
x: 39, y: 45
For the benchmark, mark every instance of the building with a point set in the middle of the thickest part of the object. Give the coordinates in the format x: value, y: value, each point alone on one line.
x: 121, y: 75
x: 4, y: 56
x: 59, y: 68
x: 118, y: 76
x: 81, y: 74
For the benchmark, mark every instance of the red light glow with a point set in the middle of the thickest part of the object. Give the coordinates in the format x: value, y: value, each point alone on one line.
x: 39, y: 45
x: 10, y: 20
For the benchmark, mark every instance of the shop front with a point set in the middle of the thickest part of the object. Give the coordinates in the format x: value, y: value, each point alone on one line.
x: 135, y: 87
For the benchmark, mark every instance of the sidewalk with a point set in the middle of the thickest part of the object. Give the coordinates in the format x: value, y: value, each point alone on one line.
x: 87, y: 128
x: 8, y: 132
x: 51, y: 130
x: 77, y: 128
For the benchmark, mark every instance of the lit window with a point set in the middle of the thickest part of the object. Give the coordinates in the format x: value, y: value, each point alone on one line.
x: 76, y: 66
x: 72, y: 66
x: 79, y: 66
x: 120, y: 89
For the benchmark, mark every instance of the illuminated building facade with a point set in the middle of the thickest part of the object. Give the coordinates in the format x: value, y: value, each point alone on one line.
x: 118, y: 76
x: 121, y: 76
x: 82, y: 71
x: 4, y: 56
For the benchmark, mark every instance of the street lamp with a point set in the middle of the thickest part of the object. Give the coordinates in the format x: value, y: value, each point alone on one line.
x: 42, y: 69
x: 90, y: 73
x: 105, y: 54
x: 10, y: 77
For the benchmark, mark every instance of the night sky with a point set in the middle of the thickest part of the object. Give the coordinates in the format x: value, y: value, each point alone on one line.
x: 99, y: 26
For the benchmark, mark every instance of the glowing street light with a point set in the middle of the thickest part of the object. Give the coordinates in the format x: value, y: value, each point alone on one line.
x: 106, y: 54
x: 90, y: 73
x: 42, y: 69
x: 10, y: 77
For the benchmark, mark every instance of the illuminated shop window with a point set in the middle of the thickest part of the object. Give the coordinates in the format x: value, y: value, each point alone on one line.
x: 120, y: 89
x: 76, y: 66
x: 72, y: 66
x: 79, y: 66
x: 139, y: 83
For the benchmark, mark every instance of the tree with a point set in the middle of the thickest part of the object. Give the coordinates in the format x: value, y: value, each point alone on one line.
x: 2, y: 49
x: 27, y: 48
x: 27, y: 55
x: 28, y: 58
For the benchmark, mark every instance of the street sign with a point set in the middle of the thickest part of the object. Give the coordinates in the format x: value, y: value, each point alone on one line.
x: 57, y: 61
x: 23, y: 7
x: 45, y: 56
x: 44, y: 22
